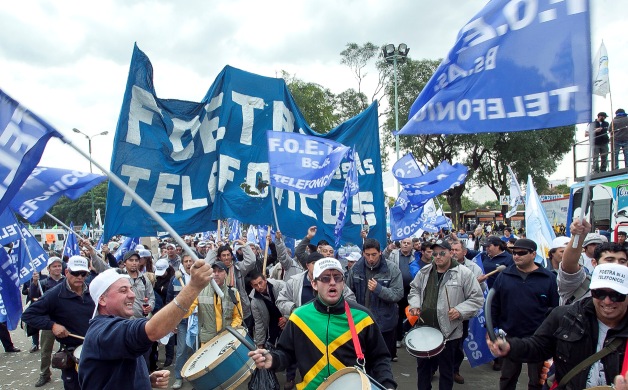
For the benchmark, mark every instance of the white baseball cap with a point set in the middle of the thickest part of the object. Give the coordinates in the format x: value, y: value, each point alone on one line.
x: 161, y: 266
x: 101, y: 283
x: 353, y: 256
x: 144, y: 252
x: 613, y: 276
x: 326, y: 263
x: 560, y: 242
x: 78, y: 263
x: 52, y: 260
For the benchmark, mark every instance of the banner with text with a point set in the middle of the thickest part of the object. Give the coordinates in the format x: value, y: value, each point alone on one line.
x: 474, y: 88
x: 197, y: 162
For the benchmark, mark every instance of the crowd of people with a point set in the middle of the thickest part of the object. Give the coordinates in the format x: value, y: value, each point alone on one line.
x: 319, y: 309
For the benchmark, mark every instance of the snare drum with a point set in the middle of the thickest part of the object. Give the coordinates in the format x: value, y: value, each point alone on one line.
x: 424, y: 342
x: 347, y: 378
x: 222, y: 363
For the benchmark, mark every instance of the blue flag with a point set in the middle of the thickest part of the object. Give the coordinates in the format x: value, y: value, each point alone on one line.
x: 199, y: 162
x: 99, y: 244
x: 422, y: 187
x: 28, y: 256
x: 10, y: 289
x: 23, y: 137
x: 45, y: 186
x: 474, y: 88
x: 128, y: 244
x: 301, y: 163
x: 71, y: 247
x: 406, y: 219
x: 474, y: 345
x: 262, y: 233
x: 352, y: 187
x: 9, y: 228
x: 84, y: 230
x: 235, y: 229
x: 251, y: 234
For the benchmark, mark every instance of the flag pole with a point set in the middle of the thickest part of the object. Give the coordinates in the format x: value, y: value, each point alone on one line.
x: 272, y: 200
x: 140, y: 202
x: 585, y: 190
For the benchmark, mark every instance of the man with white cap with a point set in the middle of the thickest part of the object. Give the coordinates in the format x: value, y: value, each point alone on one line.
x: 114, y: 344
x: 572, y: 334
x: 46, y: 338
x: 591, y: 241
x: 318, y: 332
x: 173, y: 258
x: 65, y: 309
x: 555, y: 254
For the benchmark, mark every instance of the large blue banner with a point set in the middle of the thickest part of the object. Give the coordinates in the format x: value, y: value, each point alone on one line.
x: 23, y: 137
x: 302, y: 163
x: 197, y: 162
x: 45, y: 186
x: 517, y: 65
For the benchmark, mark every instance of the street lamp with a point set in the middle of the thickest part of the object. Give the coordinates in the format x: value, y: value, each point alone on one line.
x: 89, y: 140
x: 396, y: 56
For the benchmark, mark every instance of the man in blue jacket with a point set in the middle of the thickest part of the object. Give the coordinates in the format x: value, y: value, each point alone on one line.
x: 524, y: 295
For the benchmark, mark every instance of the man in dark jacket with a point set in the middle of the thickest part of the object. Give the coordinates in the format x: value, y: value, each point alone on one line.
x: 620, y: 135
x: 598, y: 132
x: 572, y: 333
x: 494, y: 256
x: 524, y: 294
x: 377, y: 284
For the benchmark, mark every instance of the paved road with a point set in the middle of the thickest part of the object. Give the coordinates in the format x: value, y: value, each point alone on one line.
x: 20, y: 371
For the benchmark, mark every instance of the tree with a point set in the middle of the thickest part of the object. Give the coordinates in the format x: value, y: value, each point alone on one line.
x: 80, y: 210
x: 317, y: 104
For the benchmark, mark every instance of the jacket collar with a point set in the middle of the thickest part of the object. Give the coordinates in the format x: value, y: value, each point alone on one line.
x: 338, y: 308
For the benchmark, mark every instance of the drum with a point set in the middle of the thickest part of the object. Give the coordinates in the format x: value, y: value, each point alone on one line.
x: 424, y: 342
x: 222, y: 363
x: 348, y: 378
x: 77, y: 355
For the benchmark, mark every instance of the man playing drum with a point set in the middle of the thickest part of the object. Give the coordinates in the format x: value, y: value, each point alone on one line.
x: 443, y: 294
x: 114, y: 343
x: 573, y: 333
x: 318, y: 332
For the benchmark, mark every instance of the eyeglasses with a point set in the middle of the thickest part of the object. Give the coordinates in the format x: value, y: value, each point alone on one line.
x: 614, y: 296
x: 327, y: 278
x: 78, y: 273
x: 441, y: 253
x: 520, y: 253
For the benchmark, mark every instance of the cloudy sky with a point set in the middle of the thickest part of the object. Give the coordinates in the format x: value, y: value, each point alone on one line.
x: 68, y: 60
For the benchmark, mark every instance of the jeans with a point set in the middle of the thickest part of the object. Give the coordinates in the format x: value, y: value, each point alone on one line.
x: 444, y: 361
x: 600, y: 151
x: 624, y: 146
x: 183, y: 351
x: 511, y: 371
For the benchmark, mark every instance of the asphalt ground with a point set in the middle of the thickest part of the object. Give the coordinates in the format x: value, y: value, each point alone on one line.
x: 21, y: 371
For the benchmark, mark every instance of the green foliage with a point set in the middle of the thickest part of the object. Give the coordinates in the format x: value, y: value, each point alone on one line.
x: 317, y: 104
x: 80, y: 210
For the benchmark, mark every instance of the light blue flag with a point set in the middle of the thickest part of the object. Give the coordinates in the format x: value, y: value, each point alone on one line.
x: 23, y: 137
x: 538, y: 228
x: 302, y: 163
x: 128, y: 244
x: 200, y: 162
x: 71, y: 244
x: 235, y: 229
x: 251, y: 234
x: 45, y: 186
x: 262, y: 232
x: 84, y: 229
x: 10, y: 289
x: 420, y: 187
x: 352, y: 187
x: 474, y: 88
x: 99, y: 244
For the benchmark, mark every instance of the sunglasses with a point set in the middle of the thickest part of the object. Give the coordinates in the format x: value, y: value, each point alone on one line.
x: 520, y: 253
x: 614, y: 296
x: 441, y: 253
x: 327, y: 278
x: 78, y: 273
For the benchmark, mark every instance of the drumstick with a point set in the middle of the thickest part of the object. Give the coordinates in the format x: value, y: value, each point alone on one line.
x: 499, y: 268
x: 241, y: 338
x: 76, y: 336
x: 447, y: 295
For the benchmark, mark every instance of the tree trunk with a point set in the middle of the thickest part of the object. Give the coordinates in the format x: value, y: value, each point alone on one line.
x: 454, y: 199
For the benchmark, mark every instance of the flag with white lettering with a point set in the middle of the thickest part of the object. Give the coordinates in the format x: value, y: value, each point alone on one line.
x: 302, y: 163
x: 28, y: 256
x: 601, y: 85
x: 195, y: 163
x: 406, y: 218
x: 128, y: 244
x: 352, y: 187
x: 262, y: 233
x: 23, y: 137
x: 472, y: 91
x: 45, y: 186
x: 516, y: 196
x: 71, y: 247
x: 420, y: 187
x: 9, y: 227
x: 10, y: 289
x: 538, y: 227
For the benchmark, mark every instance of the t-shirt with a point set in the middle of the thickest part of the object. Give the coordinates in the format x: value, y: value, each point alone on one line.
x: 597, y: 377
x: 112, y: 355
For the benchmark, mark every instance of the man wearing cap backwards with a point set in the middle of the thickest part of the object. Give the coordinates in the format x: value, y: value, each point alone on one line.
x: 555, y: 254
x: 572, y: 333
x: 620, y: 136
x: 494, y: 256
x: 599, y: 130
x: 444, y: 294
x: 378, y: 285
x: 524, y: 293
x: 65, y: 309
x: 573, y: 281
x: 46, y: 338
x: 317, y: 336
x: 114, y: 344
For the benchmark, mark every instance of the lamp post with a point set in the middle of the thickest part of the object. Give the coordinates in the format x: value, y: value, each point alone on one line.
x: 396, y: 55
x: 89, y: 141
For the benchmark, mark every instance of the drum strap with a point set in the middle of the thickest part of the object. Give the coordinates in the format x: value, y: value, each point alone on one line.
x: 354, y: 336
